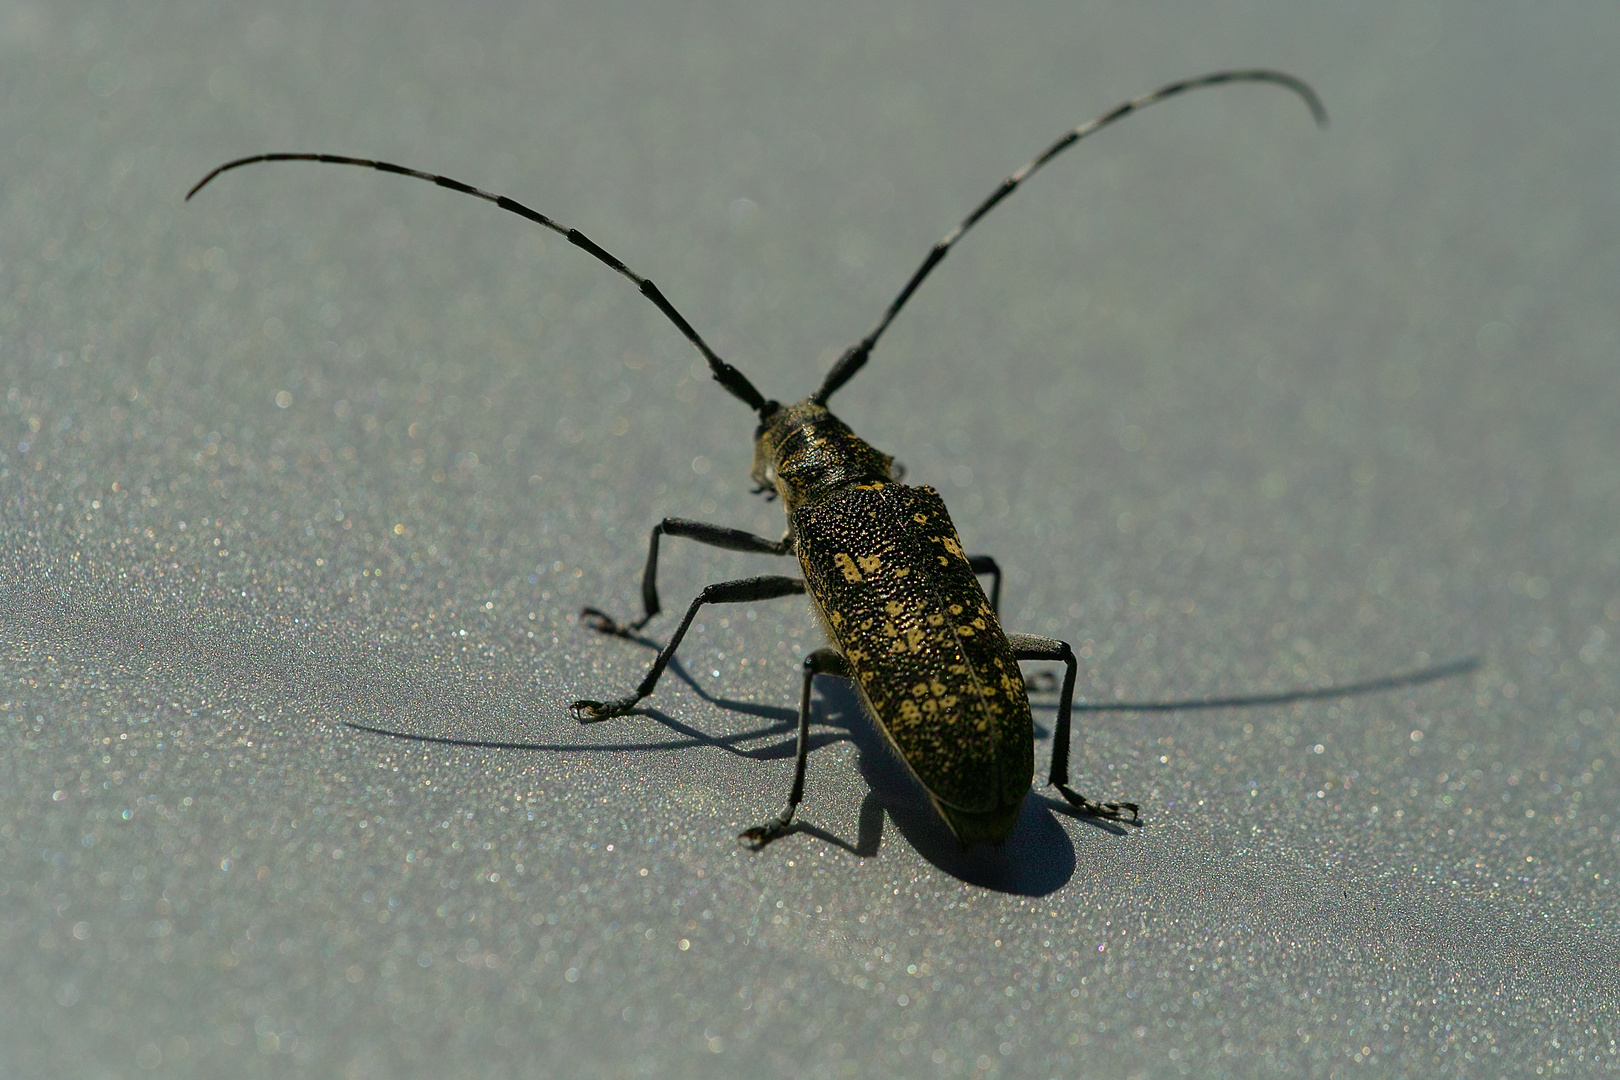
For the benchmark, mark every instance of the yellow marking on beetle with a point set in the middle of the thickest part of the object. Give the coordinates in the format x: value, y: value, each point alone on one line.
x: 836, y: 618
x: 903, y: 571
x: 919, y: 690
x: 866, y: 624
x: 921, y: 519
x: 952, y: 546
x: 965, y: 631
x: 978, y: 624
x: 870, y: 563
x: 956, y: 609
x: 847, y: 566
x: 910, y: 712
x: 894, y: 607
x: 889, y: 630
x: 936, y: 619
x: 914, y: 637
x: 943, y: 561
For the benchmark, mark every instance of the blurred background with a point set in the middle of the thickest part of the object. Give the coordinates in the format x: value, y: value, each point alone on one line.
x: 1239, y: 405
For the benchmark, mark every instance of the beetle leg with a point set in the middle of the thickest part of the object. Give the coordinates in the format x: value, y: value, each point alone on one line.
x: 1031, y: 647
x: 826, y: 661
x: 715, y: 535
x: 984, y: 564
x: 741, y: 591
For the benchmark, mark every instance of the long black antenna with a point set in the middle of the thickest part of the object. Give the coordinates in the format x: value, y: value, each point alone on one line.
x: 853, y: 360
x: 726, y: 375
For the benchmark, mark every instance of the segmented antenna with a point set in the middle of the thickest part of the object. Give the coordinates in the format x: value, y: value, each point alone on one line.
x: 855, y: 358
x: 726, y: 375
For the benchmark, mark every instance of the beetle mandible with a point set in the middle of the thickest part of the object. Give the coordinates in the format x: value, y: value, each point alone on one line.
x: 883, y: 567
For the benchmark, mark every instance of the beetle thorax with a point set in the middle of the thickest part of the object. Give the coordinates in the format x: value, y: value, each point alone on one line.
x: 805, y: 452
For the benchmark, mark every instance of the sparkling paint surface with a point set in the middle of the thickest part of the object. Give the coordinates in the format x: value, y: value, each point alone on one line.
x: 1237, y: 404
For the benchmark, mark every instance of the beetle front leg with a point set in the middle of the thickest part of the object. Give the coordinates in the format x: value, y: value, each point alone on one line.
x: 825, y: 661
x: 715, y: 535
x: 742, y: 591
x: 1031, y: 647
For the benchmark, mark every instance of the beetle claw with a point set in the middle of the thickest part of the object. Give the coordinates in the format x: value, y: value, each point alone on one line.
x: 602, y: 622
x: 1136, y: 815
x: 587, y: 711
x: 1108, y: 811
x: 761, y: 835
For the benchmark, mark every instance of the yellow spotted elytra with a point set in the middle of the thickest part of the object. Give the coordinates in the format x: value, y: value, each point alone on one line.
x: 900, y: 601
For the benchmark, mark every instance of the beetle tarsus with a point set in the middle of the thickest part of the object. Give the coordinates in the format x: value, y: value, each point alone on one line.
x: 603, y: 623
x: 760, y: 835
x: 587, y: 711
x: 1108, y: 811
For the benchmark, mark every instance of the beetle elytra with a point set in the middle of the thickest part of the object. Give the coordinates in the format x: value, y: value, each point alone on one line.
x: 898, y: 597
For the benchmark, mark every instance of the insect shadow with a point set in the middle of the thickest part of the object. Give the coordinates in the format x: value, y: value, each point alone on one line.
x: 1037, y: 858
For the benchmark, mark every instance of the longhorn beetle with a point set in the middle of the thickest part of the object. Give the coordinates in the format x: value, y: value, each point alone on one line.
x: 883, y: 567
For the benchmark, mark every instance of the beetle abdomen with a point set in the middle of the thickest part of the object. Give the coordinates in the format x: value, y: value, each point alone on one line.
x: 885, y: 567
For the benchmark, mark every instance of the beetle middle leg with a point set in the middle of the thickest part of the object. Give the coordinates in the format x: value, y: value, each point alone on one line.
x: 741, y: 591
x: 715, y: 535
x: 1032, y: 647
x: 824, y: 661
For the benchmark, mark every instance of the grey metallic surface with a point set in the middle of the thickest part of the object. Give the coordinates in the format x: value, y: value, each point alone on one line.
x: 1239, y: 405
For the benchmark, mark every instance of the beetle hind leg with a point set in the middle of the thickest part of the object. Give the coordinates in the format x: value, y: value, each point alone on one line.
x: 1031, y: 647
x: 825, y: 661
x: 1109, y: 811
